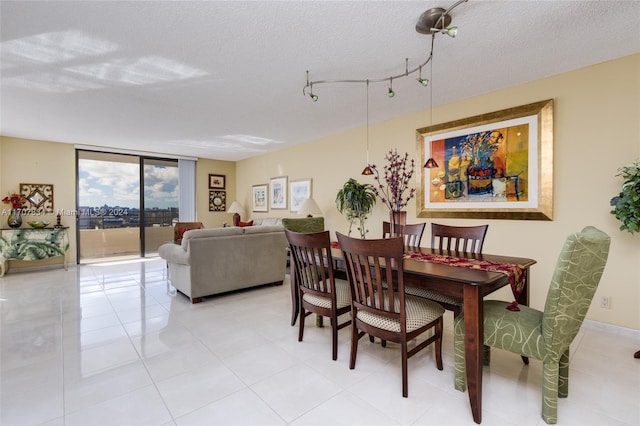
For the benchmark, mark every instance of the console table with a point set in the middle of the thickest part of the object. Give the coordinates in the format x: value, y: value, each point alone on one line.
x: 33, y: 244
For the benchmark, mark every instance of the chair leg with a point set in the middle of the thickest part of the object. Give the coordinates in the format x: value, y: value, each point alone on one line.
x: 301, y: 329
x: 354, y: 345
x: 563, y: 375
x: 438, y: 346
x: 550, y: 392
x: 405, y: 379
x: 334, y: 336
x: 486, y: 355
x: 460, y: 381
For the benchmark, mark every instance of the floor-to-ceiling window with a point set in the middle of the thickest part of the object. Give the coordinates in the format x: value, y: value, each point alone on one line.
x: 115, y: 218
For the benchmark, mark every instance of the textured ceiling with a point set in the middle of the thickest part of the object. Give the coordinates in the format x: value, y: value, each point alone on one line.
x: 224, y: 79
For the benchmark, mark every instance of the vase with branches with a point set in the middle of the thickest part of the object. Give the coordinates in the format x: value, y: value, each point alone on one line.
x: 394, y: 188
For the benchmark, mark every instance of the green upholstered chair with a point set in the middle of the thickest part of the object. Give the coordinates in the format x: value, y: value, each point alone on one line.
x: 546, y: 336
x: 304, y: 224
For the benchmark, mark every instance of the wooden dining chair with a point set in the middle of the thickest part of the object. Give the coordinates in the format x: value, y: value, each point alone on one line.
x: 319, y: 292
x: 468, y: 239
x: 546, y: 335
x: 379, y: 305
x: 411, y: 233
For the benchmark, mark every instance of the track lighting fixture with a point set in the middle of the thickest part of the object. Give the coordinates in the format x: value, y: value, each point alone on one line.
x: 423, y: 81
x: 434, y: 21
x: 367, y: 170
x: 391, y: 93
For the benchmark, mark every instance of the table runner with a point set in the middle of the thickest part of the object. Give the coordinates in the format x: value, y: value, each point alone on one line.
x: 517, y: 274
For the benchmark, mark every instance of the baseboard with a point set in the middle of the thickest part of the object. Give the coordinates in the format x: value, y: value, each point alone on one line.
x: 610, y: 328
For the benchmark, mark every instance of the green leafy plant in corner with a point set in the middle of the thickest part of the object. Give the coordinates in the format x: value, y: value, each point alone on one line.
x: 356, y: 200
x: 626, y: 206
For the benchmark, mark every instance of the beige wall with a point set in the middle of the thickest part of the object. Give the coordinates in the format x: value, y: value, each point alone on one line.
x: 203, y: 169
x: 596, y: 130
x: 29, y: 161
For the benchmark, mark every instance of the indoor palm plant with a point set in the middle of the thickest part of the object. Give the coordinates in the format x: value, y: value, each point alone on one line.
x: 356, y: 200
x: 626, y: 205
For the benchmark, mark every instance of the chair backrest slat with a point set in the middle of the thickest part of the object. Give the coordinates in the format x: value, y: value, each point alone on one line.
x: 375, y: 273
x: 311, y: 257
x: 468, y: 239
x: 412, y: 233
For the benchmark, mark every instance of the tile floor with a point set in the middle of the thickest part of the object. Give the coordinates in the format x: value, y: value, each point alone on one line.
x: 113, y: 344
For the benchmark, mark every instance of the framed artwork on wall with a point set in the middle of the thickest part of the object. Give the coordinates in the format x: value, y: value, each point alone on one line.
x: 217, y: 201
x: 38, y: 195
x: 259, y: 198
x: 492, y: 166
x: 216, y: 181
x: 299, y: 190
x: 278, y: 193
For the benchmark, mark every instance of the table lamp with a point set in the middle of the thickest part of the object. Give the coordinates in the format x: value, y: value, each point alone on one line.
x: 309, y: 208
x: 236, y: 208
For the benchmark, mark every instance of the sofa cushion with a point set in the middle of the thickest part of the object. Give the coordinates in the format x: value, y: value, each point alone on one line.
x: 266, y: 221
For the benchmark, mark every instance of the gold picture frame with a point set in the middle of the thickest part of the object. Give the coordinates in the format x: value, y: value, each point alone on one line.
x: 497, y: 165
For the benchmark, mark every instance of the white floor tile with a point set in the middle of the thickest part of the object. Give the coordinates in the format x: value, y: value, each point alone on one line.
x: 114, y: 344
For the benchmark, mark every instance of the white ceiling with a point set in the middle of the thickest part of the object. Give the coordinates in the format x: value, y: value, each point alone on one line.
x: 224, y: 79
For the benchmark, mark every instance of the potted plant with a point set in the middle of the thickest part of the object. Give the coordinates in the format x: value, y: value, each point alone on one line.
x: 356, y: 200
x: 626, y: 206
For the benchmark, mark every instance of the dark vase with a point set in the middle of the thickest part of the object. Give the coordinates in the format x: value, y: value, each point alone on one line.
x: 395, y: 219
x: 15, y: 218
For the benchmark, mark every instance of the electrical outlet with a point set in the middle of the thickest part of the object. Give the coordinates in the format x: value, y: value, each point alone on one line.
x: 605, y: 302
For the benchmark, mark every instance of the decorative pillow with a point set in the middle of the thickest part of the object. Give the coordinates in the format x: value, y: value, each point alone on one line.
x: 243, y: 224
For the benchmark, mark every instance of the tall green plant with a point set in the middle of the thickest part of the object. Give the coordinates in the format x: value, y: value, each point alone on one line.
x: 356, y: 200
x: 626, y: 206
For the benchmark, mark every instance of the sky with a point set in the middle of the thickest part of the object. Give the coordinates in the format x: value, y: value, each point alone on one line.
x: 117, y: 184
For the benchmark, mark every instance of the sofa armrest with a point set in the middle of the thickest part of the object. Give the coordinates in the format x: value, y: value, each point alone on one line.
x: 173, y: 253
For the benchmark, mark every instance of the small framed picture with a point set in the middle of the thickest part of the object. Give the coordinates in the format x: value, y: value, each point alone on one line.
x: 217, y: 201
x: 259, y: 199
x: 216, y: 181
x: 299, y: 190
x: 278, y: 193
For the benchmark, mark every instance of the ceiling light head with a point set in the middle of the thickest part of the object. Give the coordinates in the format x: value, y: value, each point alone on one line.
x: 313, y: 97
x: 391, y: 93
x: 367, y: 171
x: 423, y: 81
x: 432, y: 21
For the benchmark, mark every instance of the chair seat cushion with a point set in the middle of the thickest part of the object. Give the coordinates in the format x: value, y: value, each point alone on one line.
x: 420, y: 312
x: 433, y: 295
x: 515, y: 331
x: 343, y: 296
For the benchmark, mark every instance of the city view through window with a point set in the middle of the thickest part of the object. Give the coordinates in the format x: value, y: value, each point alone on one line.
x: 109, y: 194
x: 115, y: 217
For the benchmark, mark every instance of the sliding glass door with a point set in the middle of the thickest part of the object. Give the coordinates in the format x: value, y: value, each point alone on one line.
x: 160, y: 202
x: 114, y: 217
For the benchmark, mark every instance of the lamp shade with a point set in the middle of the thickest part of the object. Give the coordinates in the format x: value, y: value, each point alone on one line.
x: 309, y: 208
x: 236, y: 207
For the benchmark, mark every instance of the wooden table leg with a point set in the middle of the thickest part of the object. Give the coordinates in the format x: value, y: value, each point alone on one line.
x: 473, y: 338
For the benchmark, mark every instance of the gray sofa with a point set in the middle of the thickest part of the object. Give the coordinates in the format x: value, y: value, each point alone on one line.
x: 218, y: 260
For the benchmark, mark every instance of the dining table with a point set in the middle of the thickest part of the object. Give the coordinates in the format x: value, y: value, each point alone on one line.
x: 463, y: 279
